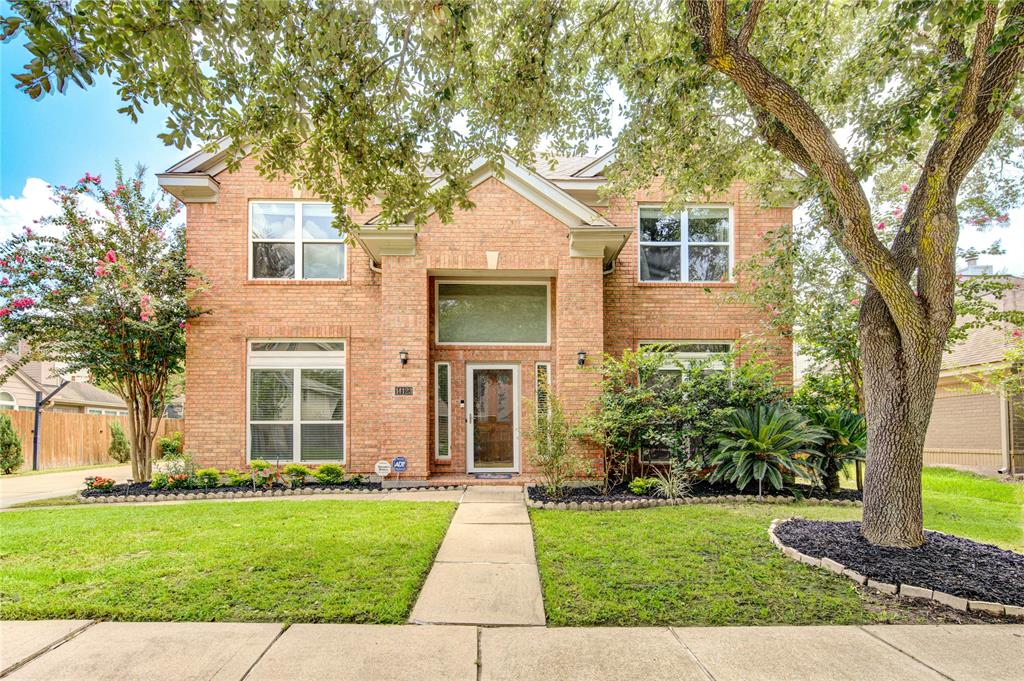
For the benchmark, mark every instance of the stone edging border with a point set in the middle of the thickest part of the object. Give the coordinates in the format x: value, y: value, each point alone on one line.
x: 684, y: 501
x: 903, y: 590
x: 250, y: 494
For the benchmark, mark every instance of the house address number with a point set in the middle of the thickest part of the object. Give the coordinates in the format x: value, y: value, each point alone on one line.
x: 403, y: 390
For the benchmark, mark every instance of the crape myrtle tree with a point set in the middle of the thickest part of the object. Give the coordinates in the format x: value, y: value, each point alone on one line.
x: 359, y: 99
x: 102, y: 286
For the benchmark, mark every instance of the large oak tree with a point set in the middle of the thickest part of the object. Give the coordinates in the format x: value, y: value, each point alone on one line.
x: 359, y: 99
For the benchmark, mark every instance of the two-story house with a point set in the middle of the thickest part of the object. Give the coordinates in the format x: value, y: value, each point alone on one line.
x: 430, y: 341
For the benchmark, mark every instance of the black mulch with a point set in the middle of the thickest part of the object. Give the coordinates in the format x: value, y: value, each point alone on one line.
x: 945, y: 563
x: 143, y: 489
x: 701, y: 489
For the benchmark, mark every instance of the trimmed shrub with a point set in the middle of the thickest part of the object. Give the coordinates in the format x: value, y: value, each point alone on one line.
x: 296, y: 474
x: 158, y: 481
x: 642, y: 486
x: 10, y: 446
x: 207, y: 477
x: 237, y: 478
x: 330, y: 474
x: 119, y: 449
x: 171, y: 446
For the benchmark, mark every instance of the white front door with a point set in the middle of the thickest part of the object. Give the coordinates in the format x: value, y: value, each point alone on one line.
x: 492, y: 418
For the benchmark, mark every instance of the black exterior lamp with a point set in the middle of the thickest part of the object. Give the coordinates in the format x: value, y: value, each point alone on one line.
x: 403, y: 357
x: 581, y: 358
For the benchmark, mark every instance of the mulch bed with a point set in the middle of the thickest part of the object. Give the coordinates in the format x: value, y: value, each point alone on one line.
x: 702, y: 489
x: 143, y: 489
x: 954, y: 565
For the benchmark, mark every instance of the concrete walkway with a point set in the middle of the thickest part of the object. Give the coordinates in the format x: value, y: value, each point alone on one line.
x: 18, y: 488
x: 486, y: 569
x: 164, y: 651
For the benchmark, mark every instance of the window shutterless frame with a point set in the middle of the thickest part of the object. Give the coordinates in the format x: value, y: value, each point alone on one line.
x: 685, y: 357
x: 488, y: 282
x: 684, y: 244
x: 442, y: 414
x: 297, y: 241
x: 295, y: 361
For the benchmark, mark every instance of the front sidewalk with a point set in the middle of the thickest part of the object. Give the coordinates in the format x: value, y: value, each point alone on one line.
x: 156, y: 651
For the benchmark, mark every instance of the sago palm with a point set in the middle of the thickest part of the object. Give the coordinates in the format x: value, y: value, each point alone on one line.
x: 845, y: 440
x: 761, y: 444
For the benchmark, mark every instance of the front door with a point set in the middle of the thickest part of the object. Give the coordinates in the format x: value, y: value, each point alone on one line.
x: 492, y: 427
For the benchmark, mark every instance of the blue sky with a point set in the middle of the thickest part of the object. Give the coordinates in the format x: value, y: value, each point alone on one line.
x: 56, y: 139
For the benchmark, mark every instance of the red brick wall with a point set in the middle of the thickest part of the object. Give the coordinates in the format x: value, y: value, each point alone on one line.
x: 380, y: 314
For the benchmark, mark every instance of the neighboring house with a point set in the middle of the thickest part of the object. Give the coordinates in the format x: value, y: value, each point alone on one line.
x: 429, y: 341
x: 78, y: 396
x: 971, y: 427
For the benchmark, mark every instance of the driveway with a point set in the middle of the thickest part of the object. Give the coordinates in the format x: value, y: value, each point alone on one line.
x: 18, y: 488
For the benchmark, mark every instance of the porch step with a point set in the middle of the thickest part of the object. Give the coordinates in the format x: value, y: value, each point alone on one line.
x: 465, y: 479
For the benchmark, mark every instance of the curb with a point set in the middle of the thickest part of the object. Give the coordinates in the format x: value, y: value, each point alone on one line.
x: 901, y: 590
x: 630, y: 504
x: 250, y: 494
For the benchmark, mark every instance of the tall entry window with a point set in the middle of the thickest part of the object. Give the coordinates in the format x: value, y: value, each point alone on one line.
x: 492, y: 313
x: 297, y: 401
x: 692, y: 245
x: 294, y: 240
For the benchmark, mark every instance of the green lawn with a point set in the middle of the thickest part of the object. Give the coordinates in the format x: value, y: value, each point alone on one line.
x: 304, y: 561
x: 713, y: 564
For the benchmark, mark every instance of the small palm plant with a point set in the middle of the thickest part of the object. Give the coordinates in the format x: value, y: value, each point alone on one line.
x: 845, y: 441
x: 763, y: 444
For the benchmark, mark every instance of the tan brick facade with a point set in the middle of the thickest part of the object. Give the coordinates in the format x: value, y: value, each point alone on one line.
x: 380, y: 313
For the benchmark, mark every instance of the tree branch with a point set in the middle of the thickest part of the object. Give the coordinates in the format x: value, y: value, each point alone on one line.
x: 749, y: 24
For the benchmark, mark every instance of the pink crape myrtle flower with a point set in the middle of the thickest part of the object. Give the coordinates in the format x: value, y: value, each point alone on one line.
x: 100, y: 271
x: 4, y: 311
x: 5, y: 281
x: 897, y: 212
x: 146, y: 308
x: 904, y: 187
x: 1003, y: 218
x: 855, y: 302
x: 111, y: 256
x: 1016, y: 333
x: 881, y: 226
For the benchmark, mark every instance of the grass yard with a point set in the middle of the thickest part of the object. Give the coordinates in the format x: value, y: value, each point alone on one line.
x: 308, y: 561
x: 713, y: 565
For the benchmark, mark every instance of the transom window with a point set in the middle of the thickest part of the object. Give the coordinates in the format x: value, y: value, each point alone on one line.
x: 294, y: 240
x: 297, y: 401
x: 694, y: 244
x: 492, y: 313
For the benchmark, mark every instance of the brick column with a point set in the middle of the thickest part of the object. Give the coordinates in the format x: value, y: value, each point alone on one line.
x: 579, y: 315
x: 405, y: 325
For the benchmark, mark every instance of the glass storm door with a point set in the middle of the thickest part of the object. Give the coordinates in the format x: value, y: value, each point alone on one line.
x: 492, y: 431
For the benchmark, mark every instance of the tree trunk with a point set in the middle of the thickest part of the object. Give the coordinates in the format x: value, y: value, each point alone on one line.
x: 899, y: 389
x: 830, y: 481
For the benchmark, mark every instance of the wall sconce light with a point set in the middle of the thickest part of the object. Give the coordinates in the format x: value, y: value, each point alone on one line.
x: 581, y: 358
x: 403, y: 357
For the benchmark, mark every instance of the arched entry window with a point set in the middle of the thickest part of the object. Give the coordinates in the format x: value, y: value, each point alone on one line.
x: 7, y: 401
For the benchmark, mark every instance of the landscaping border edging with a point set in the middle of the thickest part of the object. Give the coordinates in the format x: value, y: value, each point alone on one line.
x: 250, y: 494
x: 626, y: 505
x: 902, y: 590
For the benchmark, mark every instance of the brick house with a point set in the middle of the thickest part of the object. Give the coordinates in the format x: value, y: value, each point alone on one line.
x: 428, y: 341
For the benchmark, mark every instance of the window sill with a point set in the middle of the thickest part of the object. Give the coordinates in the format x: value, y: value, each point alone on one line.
x: 688, y: 284
x: 297, y: 282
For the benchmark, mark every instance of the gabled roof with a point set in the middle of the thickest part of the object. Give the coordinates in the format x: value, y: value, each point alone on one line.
x: 75, y: 392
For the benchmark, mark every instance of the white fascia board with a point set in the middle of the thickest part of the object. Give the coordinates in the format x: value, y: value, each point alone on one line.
x: 597, y: 166
x: 190, y: 188
x: 379, y: 241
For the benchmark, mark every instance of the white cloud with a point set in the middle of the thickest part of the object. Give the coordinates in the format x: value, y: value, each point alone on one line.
x: 18, y: 211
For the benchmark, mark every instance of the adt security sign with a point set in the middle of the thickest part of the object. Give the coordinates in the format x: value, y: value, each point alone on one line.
x: 382, y: 468
x: 399, y: 464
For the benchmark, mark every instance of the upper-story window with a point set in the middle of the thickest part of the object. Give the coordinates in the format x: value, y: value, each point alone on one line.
x: 694, y: 244
x: 294, y: 240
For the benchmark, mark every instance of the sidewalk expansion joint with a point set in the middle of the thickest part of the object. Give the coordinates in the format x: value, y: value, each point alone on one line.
x: 53, y: 646
x: 905, y: 653
x: 693, y: 656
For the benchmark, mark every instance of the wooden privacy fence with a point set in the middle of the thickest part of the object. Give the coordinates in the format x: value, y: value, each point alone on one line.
x: 68, y: 439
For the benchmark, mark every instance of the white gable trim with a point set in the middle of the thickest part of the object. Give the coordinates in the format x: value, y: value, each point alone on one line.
x: 596, y: 167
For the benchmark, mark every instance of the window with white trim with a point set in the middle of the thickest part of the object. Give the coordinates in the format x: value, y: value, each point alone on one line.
x: 294, y: 240
x: 7, y: 401
x: 693, y: 245
x: 442, y: 410
x: 296, y: 406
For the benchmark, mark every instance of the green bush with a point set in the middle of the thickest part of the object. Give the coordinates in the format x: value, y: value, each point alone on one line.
x: 845, y: 441
x: 260, y: 465
x: 119, y: 449
x: 207, y: 478
x: 642, y: 486
x: 551, y: 437
x: 171, y: 446
x: 158, y: 481
x: 180, y: 481
x: 237, y: 478
x: 763, y: 444
x: 296, y: 474
x: 10, y: 446
x: 330, y: 474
